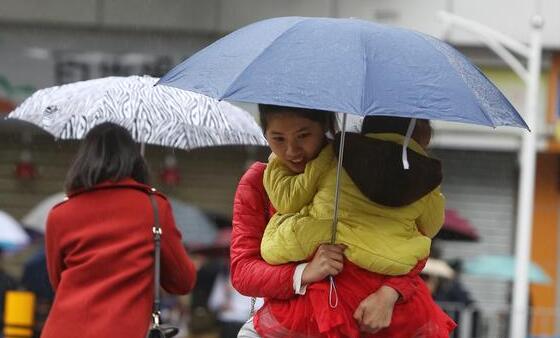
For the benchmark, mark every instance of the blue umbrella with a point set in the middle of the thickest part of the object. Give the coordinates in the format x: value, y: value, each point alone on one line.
x: 349, y: 66
x: 345, y: 65
x: 502, y: 267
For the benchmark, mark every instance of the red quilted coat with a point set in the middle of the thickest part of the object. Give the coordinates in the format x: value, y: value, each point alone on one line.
x: 286, y: 315
x: 100, y: 261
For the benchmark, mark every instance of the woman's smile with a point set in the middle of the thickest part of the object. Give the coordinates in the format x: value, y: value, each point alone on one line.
x: 294, y: 139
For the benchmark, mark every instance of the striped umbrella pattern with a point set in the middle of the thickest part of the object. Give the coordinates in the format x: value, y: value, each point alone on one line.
x: 157, y: 115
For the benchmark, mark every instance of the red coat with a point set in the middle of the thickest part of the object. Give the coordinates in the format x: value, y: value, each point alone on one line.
x: 100, y: 261
x: 252, y: 276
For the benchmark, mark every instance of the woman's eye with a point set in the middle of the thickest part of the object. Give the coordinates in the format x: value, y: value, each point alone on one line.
x: 300, y: 136
x: 278, y: 139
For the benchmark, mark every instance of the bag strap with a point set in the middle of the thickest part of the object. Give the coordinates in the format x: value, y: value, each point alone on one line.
x: 156, y: 230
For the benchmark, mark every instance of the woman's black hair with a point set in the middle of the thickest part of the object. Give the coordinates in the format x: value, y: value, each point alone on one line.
x: 324, y: 117
x: 108, y: 152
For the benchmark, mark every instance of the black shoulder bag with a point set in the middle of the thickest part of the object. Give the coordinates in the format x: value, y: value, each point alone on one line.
x: 156, y: 329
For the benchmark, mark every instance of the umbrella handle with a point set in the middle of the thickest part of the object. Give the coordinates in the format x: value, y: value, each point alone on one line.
x: 333, y: 302
x: 143, y: 149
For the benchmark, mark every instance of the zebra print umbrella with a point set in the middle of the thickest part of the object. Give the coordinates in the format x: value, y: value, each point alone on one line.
x: 154, y: 115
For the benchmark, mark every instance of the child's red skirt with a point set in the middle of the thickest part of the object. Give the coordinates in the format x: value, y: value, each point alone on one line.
x: 311, y: 316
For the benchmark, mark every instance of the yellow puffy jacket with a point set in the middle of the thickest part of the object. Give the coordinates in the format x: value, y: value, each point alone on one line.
x: 384, y: 239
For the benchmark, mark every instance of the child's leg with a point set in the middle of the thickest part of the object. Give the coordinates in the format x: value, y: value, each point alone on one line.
x: 248, y: 330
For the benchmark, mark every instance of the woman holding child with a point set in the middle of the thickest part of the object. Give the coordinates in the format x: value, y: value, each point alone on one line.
x: 386, y: 303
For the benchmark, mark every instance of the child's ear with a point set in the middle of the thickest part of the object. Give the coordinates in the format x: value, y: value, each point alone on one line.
x: 422, y: 132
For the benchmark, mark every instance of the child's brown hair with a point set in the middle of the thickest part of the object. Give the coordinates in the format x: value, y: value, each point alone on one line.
x: 392, y: 124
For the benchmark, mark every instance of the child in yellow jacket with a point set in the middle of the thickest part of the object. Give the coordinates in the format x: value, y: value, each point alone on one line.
x: 387, y: 215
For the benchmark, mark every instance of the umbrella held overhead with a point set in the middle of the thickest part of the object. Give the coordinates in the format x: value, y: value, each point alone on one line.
x: 154, y: 115
x: 348, y: 66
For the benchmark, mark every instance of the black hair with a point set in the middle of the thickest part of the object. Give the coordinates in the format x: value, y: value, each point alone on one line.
x: 324, y: 117
x: 398, y: 125
x: 108, y: 152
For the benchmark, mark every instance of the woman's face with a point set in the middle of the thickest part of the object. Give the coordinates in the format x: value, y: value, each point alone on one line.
x: 294, y: 139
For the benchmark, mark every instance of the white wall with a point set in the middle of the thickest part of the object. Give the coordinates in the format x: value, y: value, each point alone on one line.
x: 33, y: 11
x: 509, y: 16
x: 42, y: 57
x: 418, y: 15
x: 161, y: 14
x: 237, y: 13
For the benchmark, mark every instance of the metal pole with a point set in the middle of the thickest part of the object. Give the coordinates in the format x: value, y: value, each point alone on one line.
x: 337, y: 186
x: 519, y: 310
x: 496, y: 41
x: 333, y: 294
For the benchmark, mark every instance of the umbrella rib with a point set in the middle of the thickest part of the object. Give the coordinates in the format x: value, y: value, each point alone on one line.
x: 365, y: 57
x: 456, y: 73
x: 227, y: 92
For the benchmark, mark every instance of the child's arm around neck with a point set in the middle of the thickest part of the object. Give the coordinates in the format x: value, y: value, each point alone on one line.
x: 290, y: 192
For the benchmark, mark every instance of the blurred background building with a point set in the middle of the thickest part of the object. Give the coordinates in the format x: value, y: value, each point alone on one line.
x: 50, y: 42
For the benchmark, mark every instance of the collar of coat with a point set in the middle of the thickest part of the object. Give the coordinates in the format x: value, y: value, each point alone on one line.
x: 124, y: 183
x: 374, y: 164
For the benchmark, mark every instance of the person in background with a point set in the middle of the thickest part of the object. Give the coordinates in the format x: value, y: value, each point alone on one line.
x: 35, y: 278
x: 99, y: 243
x: 456, y: 299
x: 6, y: 283
x: 232, y: 309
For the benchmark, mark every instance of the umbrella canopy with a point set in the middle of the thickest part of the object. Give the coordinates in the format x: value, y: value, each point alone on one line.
x: 195, y: 226
x: 36, y: 218
x: 502, y: 267
x: 456, y: 228
x: 12, y: 235
x: 348, y: 66
x: 154, y: 115
x: 438, y: 268
x: 218, y: 248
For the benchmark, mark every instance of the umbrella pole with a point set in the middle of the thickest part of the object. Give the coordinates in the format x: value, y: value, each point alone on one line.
x: 333, y: 302
x: 337, y: 186
x: 142, y: 149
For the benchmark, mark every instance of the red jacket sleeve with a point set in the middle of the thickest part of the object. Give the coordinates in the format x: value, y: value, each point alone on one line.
x: 178, y: 273
x: 406, y: 285
x: 250, y: 274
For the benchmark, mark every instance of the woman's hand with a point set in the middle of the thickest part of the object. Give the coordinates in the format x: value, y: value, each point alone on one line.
x: 375, y: 311
x: 327, y: 261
